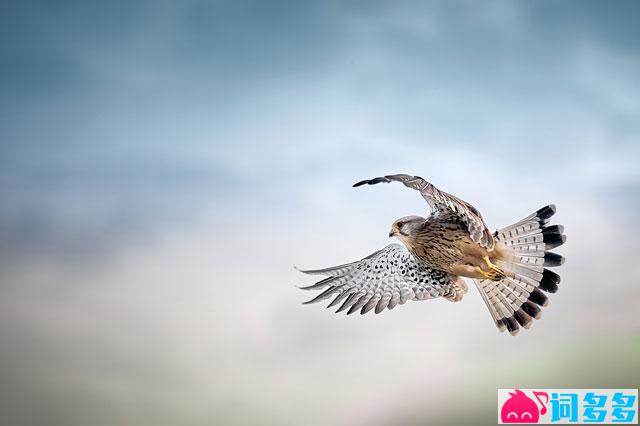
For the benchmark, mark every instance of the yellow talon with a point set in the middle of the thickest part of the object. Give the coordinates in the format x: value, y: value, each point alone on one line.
x: 488, y: 262
x: 494, y: 273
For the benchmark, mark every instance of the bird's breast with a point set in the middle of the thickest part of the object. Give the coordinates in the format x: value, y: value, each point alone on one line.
x: 441, y: 244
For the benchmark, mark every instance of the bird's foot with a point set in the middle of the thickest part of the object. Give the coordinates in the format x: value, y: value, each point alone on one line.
x: 494, y: 273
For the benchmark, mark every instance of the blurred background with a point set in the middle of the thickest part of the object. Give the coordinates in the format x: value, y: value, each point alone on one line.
x: 164, y: 164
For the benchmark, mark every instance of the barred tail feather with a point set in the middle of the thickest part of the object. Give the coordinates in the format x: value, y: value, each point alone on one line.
x: 516, y: 300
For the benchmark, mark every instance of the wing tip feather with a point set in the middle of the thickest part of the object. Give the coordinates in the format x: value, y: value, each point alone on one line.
x: 373, y: 181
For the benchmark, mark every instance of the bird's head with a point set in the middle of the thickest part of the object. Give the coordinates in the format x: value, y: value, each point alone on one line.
x: 406, y: 226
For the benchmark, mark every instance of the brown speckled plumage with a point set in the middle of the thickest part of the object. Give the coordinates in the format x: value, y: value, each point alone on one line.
x: 440, y: 242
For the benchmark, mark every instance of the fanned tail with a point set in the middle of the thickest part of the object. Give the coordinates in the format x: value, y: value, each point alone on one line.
x: 516, y: 300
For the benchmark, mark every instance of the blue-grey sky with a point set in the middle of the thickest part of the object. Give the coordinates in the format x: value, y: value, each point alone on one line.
x: 163, y: 164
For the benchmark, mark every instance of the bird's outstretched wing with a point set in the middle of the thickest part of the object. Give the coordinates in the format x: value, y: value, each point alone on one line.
x: 382, y: 280
x: 441, y: 202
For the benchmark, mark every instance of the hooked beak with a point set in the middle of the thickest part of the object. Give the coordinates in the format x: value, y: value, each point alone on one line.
x: 392, y: 232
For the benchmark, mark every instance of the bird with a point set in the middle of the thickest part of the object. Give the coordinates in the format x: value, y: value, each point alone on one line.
x: 509, y: 266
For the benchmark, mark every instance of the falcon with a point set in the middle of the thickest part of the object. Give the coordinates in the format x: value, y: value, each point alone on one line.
x: 508, y: 266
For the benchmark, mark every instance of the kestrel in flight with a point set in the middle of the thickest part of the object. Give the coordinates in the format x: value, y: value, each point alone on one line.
x: 507, y: 266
